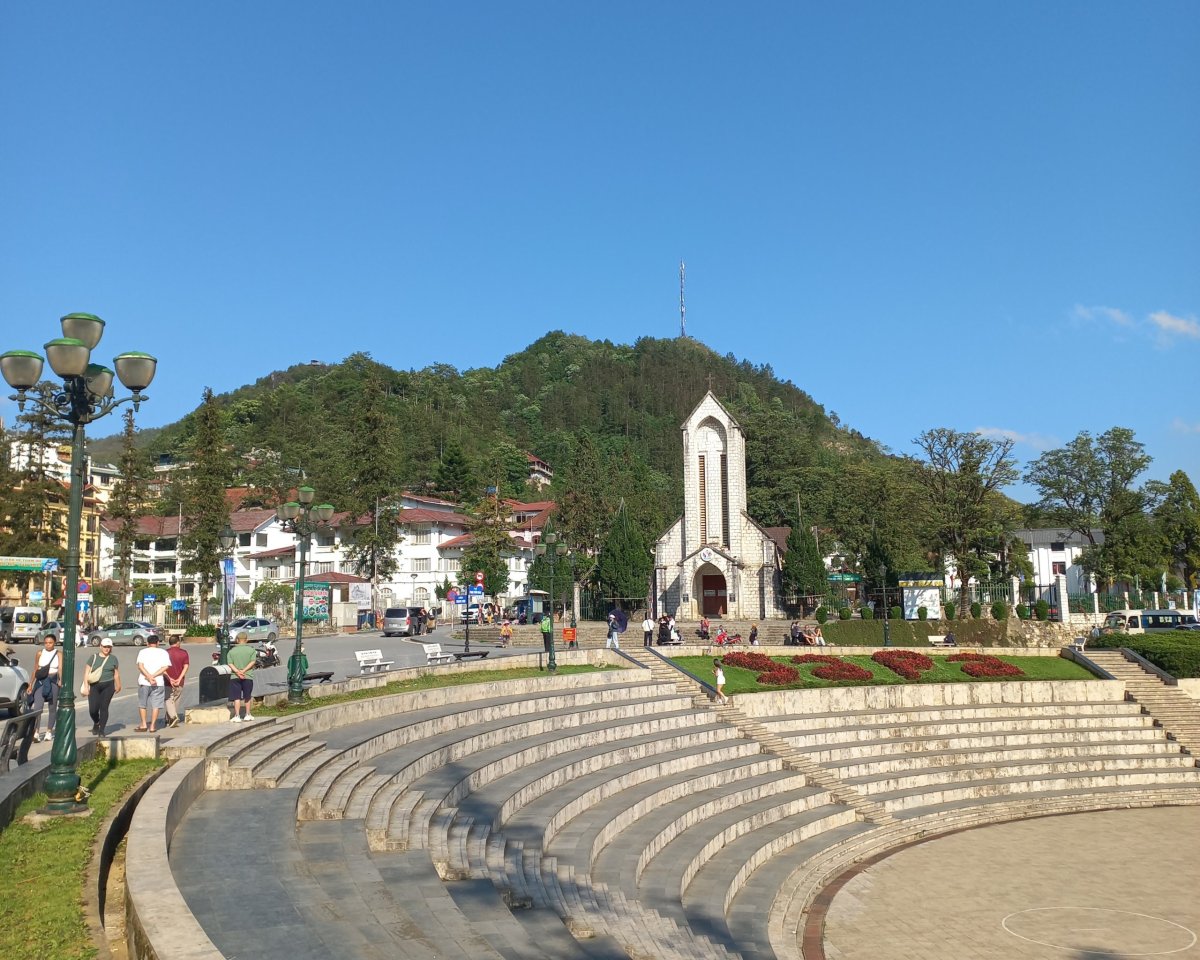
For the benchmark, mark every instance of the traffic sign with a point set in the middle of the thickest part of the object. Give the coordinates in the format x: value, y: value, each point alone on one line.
x: 460, y: 599
x: 452, y: 596
x: 84, y: 605
x: 475, y: 591
x: 83, y: 586
x: 479, y: 577
x: 149, y: 598
x: 36, y: 596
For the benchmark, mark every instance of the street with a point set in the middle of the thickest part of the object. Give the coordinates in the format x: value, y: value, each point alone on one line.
x: 334, y: 653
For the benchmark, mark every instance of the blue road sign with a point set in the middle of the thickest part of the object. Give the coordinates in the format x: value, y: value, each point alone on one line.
x: 460, y: 599
x: 150, y: 598
x: 475, y: 590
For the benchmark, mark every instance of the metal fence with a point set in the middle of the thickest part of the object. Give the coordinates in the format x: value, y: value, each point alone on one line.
x: 593, y: 605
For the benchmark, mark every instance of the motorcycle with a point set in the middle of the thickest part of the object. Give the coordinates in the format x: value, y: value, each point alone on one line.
x: 265, y: 655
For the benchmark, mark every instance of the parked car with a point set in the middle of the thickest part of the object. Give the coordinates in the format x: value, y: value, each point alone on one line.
x: 402, y: 622
x: 52, y: 628
x: 472, y: 614
x: 126, y: 631
x: 258, y: 629
x: 14, y: 683
x: 21, y: 623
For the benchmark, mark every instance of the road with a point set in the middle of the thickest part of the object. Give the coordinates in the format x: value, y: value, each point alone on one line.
x: 334, y: 653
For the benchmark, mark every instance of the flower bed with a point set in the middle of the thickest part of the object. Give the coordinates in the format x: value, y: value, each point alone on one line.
x: 779, y: 676
x: 750, y: 661
x: 983, y: 665
x: 842, y: 670
x: 907, y: 663
x: 817, y: 658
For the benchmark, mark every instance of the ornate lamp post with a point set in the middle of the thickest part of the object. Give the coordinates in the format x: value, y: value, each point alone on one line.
x: 86, y: 395
x: 301, y: 517
x: 550, y: 548
x: 228, y: 538
x: 887, y: 629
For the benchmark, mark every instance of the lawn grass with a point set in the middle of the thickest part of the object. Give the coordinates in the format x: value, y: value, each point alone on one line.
x: 741, y: 680
x: 41, y: 911
x: 427, y: 681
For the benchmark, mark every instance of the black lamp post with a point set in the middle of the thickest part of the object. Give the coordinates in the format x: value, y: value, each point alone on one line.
x: 551, y: 549
x: 86, y: 396
x: 887, y: 629
x: 228, y: 538
x: 301, y: 517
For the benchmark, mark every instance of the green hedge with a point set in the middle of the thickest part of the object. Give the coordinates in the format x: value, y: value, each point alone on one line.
x: 914, y: 633
x: 1178, y: 657
x: 200, y: 630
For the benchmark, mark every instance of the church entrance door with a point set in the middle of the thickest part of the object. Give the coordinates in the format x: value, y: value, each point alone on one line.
x: 713, y: 595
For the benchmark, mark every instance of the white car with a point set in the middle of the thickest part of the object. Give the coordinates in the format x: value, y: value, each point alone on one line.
x: 258, y: 629
x: 14, y: 684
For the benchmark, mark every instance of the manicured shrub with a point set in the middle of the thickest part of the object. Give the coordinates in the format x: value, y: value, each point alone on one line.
x: 822, y: 614
x: 779, y: 676
x: 200, y: 630
x: 922, y: 613
x: 950, y: 610
x: 842, y: 670
x: 1042, y: 610
x: 907, y: 663
x: 867, y: 613
x: 984, y: 665
x: 749, y: 661
x: 897, y: 613
x: 976, y: 610
x: 999, y: 610
x: 844, y: 613
x: 1022, y: 612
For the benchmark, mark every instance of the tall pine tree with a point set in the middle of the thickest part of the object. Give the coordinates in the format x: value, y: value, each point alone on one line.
x: 803, y: 569
x: 625, y: 563
x: 204, y: 508
x: 490, y: 548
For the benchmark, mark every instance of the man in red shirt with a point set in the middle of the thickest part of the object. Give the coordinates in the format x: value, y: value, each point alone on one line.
x: 175, y: 675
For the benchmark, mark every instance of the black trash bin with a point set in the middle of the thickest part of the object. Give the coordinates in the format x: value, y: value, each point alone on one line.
x: 214, y: 684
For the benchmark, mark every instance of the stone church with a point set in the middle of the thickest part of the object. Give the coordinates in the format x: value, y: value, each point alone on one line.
x: 715, y: 561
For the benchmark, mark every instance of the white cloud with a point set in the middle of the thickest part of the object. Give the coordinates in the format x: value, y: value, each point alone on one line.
x: 1112, y: 314
x: 1179, y: 425
x: 1171, y: 325
x: 1036, y: 440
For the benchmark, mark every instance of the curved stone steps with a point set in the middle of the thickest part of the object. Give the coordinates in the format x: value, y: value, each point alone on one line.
x: 1104, y: 755
x: 1041, y: 803
x: 834, y: 756
x: 999, y: 726
x: 230, y: 762
x: 971, y: 711
x: 293, y: 770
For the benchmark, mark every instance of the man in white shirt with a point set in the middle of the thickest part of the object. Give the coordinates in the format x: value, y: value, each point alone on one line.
x: 647, y: 631
x: 152, y: 663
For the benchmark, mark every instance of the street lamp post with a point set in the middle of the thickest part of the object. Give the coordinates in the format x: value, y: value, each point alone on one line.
x: 887, y: 629
x: 86, y: 395
x: 228, y: 539
x: 550, y: 548
x: 301, y: 517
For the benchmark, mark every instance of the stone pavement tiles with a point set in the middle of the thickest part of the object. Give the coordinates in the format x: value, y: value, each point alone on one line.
x: 266, y: 889
x: 1111, y: 884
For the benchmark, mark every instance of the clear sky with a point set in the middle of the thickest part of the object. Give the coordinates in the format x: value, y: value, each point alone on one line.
x: 982, y: 216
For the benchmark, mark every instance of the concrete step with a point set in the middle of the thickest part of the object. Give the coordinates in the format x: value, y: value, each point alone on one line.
x: 919, y: 715
x: 834, y: 756
x: 971, y: 734
x: 854, y: 768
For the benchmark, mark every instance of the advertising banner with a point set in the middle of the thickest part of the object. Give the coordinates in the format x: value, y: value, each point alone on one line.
x: 360, y: 595
x: 228, y: 581
x: 315, y: 601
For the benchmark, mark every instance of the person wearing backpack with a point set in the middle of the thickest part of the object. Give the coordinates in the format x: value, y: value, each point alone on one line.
x: 44, y: 691
x: 101, y: 680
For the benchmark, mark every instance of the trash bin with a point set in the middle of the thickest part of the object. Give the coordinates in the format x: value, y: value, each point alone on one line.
x: 214, y: 684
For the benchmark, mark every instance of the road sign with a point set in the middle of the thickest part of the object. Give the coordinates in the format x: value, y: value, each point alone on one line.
x: 475, y: 591
x: 479, y: 577
x: 83, y: 587
x: 84, y: 605
x: 36, y: 596
x: 452, y: 596
x: 149, y: 598
x: 461, y: 599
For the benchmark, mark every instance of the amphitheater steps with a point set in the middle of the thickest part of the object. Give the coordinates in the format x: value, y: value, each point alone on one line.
x: 924, y: 715
x: 1176, y: 712
x: 1155, y: 754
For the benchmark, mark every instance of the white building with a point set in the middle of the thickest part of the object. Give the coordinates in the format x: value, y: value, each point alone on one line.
x: 1054, y: 551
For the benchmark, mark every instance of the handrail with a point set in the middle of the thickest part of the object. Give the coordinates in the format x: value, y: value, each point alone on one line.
x: 708, y: 687
x: 1135, y: 657
x: 1080, y: 657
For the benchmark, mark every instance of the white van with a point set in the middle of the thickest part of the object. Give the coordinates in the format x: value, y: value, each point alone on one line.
x: 26, y: 622
x: 1145, y: 621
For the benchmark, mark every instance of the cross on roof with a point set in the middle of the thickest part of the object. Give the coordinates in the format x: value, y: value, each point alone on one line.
x: 710, y: 380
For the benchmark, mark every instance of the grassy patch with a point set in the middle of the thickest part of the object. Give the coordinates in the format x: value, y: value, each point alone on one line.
x: 740, y: 680
x: 41, y: 912
x: 427, y: 681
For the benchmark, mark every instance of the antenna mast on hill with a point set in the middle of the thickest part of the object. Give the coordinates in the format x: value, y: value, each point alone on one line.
x: 682, y: 307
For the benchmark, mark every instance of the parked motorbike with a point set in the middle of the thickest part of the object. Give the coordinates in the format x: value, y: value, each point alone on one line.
x: 265, y: 655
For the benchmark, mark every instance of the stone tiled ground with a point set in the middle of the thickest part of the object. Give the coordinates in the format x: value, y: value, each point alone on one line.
x: 1100, y: 885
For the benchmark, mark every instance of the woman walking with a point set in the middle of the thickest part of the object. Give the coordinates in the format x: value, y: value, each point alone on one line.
x: 102, y: 678
x: 719, y: 673
x: 44, y: 691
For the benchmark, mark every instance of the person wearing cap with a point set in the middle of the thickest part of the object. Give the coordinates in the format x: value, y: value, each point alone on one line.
x: 152, y: 664
x: 104, y: 667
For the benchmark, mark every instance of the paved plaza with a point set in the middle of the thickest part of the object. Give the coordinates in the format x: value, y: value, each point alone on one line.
x: 1110, y: 885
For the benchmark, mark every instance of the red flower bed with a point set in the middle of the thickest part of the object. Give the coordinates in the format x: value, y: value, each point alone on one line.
x: 842, y: 670
x: 960, y: 657
x: 907, y: 663
x: 780, y: 676
x: 983, y: 665
x: 749, y: 661
x: 816, y: 658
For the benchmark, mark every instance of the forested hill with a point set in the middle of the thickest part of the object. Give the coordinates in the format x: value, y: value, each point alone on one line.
x: 584, y: 406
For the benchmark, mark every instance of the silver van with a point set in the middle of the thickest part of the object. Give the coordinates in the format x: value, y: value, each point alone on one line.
x: 26, y: 622
x: 1146, y: 621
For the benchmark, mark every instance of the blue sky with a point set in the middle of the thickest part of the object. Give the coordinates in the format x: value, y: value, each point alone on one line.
x: 938, y: 214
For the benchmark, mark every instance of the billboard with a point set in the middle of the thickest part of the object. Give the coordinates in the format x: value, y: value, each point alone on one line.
x: 315, y: 601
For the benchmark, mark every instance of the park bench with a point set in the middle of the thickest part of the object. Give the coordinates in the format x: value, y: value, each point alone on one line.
x: 939, y: 640
x: 371, y: 661
x: 433, y: 654
x: 1078, y: 644
x: 469, y: 654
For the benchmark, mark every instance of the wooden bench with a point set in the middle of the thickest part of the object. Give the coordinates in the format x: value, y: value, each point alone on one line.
x: 371, y: 661
x: 433, y: 654
x: 939, y: 640
x: 468, y: 655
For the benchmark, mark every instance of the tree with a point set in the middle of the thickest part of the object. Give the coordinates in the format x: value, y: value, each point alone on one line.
x: 204, y: 509
x: 584, y: 510
x: 625, y: 563
x: 803, y: 569
x: 454, y: 480
x: 272, y: 593
x: 961, y: 478
x: 126, y: 505
x: 1178, y: 520
x: 490, y: 547
x: 374, y: 468
x: 506, y: 469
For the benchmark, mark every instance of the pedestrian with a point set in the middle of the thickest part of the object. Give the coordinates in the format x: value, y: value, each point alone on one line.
x: 44, y: 691
x: 613, y: 641
x: 180, y: 662
x: 705, y: 628
x: 102, y: 678
x: 241, y: 681
x: 152, y: 664
x: 546, y: 625
x: 754, y: 634
x: 719, y: 673
x: 794, y: 633
x: 506, y: 633
x: 664, y: 630
x: 647, y: 631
